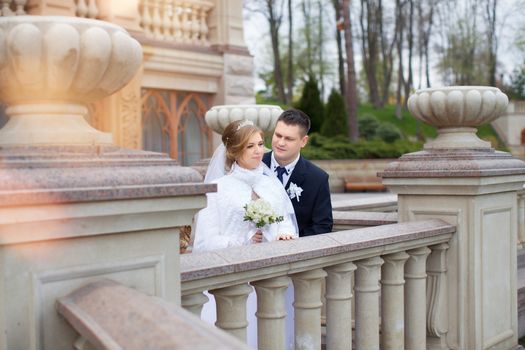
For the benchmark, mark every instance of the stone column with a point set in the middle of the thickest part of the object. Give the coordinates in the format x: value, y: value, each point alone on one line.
x: 437, y: 312
x: 271, y: 312
x: 307, y: 304
x: 194, y: 302
x: 339, y: 306
x: 462, y: 180
x: 415, y: 296
x: 393, y: 301
x: 231, y: 309
x: 367, y: 303
x: 226, y: 35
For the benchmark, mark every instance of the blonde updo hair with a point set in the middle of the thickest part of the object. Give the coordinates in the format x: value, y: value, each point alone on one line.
x: 235, y: 137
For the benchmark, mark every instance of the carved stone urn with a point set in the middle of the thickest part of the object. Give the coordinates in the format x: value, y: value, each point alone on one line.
x: 51, y: 68
x: 456, y: 111
x: 264, y: 116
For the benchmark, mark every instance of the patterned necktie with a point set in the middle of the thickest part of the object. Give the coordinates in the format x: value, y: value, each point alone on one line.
x: 280, y: 171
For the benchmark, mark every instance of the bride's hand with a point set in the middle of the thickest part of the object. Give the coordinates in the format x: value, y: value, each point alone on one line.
x: 257, y: 237
x: 284, y: 237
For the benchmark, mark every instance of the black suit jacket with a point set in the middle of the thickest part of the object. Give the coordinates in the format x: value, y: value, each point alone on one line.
x: 313, y: 209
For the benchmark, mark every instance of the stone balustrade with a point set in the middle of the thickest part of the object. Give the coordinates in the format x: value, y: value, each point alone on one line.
x: 12, y: 7
x: 376, y: 255
x: 176, y: 21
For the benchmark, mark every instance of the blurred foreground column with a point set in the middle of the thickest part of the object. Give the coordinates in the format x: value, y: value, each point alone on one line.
x: 73, y: 207
x: 462, y: 180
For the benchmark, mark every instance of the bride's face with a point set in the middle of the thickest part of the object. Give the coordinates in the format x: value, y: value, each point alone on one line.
x: 252, y: 154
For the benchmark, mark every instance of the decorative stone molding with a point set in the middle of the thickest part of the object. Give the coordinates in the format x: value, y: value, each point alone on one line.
x: 239, y: 65
x: 264, y: 116
x: 456, y: 111
x: 52, y: 68
x: 239, y: 85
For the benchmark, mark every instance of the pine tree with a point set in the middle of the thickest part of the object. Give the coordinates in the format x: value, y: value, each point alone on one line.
x: 311, y: 104
x: 335, y: 121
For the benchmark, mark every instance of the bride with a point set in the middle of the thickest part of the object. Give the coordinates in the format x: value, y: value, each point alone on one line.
x: 241, y: 177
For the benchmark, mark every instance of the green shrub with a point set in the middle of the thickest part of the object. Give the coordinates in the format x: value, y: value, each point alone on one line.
x: 311, y: 104
x: 335, y: 121
x: 368, y: 125
x: 340, y: 147
x: 388, y: 132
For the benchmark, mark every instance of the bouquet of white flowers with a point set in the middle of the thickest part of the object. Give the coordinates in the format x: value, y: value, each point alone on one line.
x: 261, y: 213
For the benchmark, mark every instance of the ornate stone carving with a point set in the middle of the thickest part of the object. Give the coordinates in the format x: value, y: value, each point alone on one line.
x: 239, y: 85
x: 264, y: 116
x: 130, y: 109
x: 67, y: 62
x: 456, y: 111
x: 239, y: 65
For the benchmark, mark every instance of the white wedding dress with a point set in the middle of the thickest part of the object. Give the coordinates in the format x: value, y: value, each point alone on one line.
x: 221, y: 224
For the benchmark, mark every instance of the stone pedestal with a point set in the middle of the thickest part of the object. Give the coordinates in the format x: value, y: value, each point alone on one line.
x: 73, y: 207
x: 470, y: 185
x: 73, y: 215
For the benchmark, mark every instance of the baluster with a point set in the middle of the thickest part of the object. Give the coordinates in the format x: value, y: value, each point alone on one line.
x: 339, y: 306
x: 186, y: 24
x: 92, y: 9
x: 82, y: 8
x: 271, y: 312
x: 521, y: 218
x: 195, y: 26
x: 415, y: 295
x: 307, y: 321
x: 367, y: 303
x: 194, y: 302
x: 167, y: 11
x: 146, y: 17
x: 157, y: 23
x: 231, y: 309
x: 6, y: 10
x: 203, y: 26
x: 20, y: 7
x: 437, y: 302
x: 177, y: 26
x: 392, y: 301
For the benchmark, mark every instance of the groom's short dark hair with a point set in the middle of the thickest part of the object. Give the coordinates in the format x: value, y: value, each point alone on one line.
x: 295, y: 117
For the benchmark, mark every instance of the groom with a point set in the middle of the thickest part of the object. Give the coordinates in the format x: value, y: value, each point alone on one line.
x: 305, y: 183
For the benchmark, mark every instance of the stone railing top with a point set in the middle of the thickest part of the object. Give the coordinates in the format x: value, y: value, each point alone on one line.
x: 382, y: 203
x: 112, y: 316
x: 38, y: 175
x: 267, y: 258
x: 363, y: 218
x: 454, y: 163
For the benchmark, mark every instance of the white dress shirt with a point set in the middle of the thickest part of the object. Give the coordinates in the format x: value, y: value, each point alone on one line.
x: 289, y: 168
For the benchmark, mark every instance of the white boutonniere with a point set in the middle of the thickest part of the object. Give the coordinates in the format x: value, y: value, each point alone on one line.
x: 294, y: 191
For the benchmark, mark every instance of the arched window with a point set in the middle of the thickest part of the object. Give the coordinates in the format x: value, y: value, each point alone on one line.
x: 173, y: 123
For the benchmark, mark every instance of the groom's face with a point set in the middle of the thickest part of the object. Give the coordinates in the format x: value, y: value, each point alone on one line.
x: 287, y: 142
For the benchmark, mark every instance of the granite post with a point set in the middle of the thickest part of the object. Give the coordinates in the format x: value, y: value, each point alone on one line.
x: 74, y: 208
x: 462, y: 180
